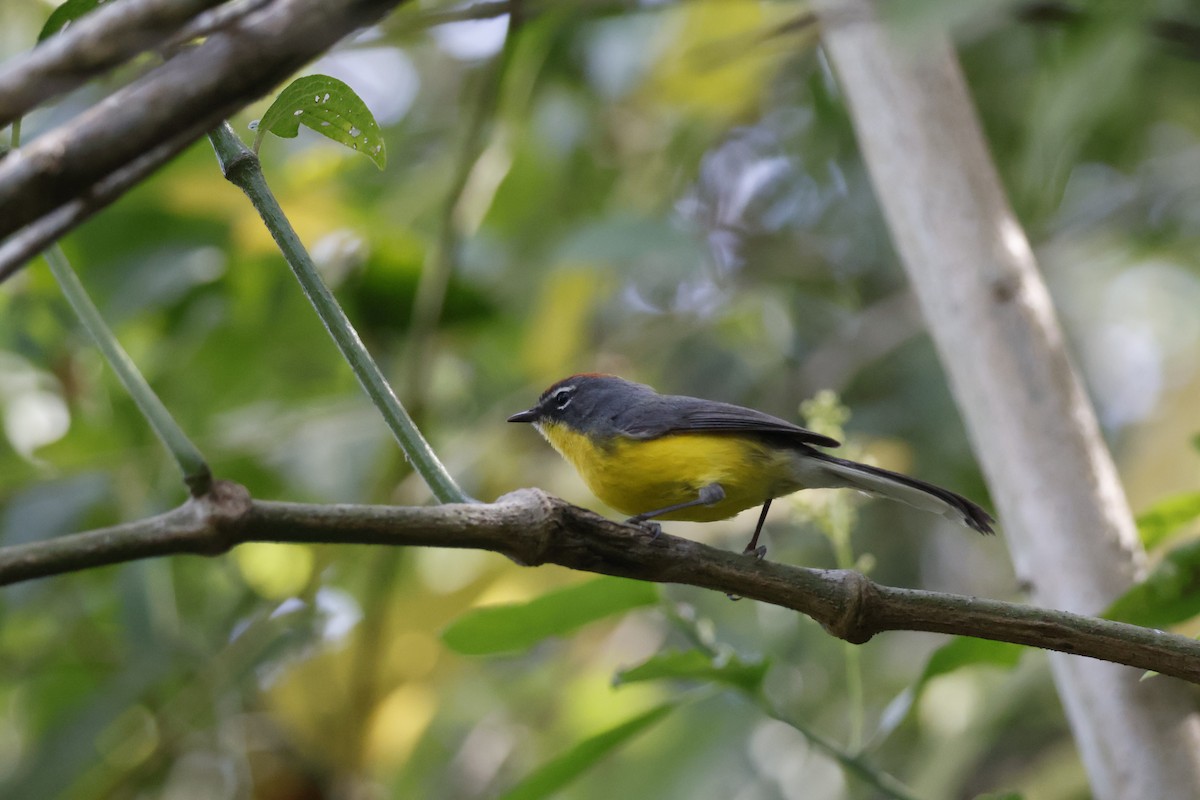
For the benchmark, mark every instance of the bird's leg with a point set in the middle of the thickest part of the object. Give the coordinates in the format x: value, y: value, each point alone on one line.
x: 759, y: 551
x: 707, y: 496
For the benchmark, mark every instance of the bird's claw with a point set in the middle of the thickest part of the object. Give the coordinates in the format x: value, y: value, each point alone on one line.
x: 759, y: 552
x: 652, y: 528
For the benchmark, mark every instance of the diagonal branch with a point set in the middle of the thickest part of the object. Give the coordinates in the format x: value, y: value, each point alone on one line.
x: 110, y: 36
x: 174, y: 103
x: 533, y: 528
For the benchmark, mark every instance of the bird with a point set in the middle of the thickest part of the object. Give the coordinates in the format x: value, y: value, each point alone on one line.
x: 672, y: 457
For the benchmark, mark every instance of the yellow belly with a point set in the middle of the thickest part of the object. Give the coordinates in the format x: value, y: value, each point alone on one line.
x: 638, y: 476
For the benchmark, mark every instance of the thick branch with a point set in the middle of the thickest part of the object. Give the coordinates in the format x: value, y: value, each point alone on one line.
x: 177, y: 102
x: 533, y: 528
x: 106, y: 38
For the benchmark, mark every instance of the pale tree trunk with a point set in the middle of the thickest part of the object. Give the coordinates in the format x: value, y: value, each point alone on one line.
x: 1061, y: 504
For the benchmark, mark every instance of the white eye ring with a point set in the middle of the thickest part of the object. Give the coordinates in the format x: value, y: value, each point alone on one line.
x: 562, y: 398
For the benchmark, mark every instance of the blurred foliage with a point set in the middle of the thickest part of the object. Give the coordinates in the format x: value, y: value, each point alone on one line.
x: 669, y: 191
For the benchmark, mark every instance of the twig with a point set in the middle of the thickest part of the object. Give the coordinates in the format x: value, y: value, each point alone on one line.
x: 196, y: 473
x: 533, y: 528
x: 241, y: 167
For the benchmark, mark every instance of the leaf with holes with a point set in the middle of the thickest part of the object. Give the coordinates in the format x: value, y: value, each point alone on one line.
x: 66, y: 13
x: 329, y: 107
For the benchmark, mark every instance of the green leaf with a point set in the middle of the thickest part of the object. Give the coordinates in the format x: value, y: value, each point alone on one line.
x: 557, y: 773
x: 697, y: 665
x: 329, y: 107
x: 67, y: 12
x: 965, y: 651
x: 1168, y: 516
x: 1169, y: 594
x: 959, y: 652
x: 507, y: 628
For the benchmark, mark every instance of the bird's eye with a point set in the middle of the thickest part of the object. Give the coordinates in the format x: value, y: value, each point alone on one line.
x: 562, y: 398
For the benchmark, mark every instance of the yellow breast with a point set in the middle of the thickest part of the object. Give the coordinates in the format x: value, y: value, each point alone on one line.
x: 636, y: 476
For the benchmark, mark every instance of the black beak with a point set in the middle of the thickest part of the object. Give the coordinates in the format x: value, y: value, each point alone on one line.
x: 524, y: 416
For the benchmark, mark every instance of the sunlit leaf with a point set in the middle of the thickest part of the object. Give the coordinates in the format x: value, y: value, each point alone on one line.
x: 66, y: 13
x: 329, y: 107
x: 1169, y: 594
x: 507, y: 628
x: 554, y: 775
x: 1168, y: 516
x: 698, y: 666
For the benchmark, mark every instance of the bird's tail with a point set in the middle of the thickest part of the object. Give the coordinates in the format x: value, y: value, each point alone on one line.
x: 885, y: 483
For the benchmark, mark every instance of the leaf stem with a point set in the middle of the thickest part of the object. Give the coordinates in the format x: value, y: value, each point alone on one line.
x: 885, y: 783
x: 241, y: 167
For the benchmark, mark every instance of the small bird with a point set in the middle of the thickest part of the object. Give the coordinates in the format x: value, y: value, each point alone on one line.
x: 672, y: 457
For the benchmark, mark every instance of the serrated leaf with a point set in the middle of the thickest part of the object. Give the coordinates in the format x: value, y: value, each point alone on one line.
x: 557, y: 773
x: 1169, y: 594
x: 67, y: 12
x: 508, y: 628
x: 329, y: 107
x: 697, y: 666
x: 1168, y: 516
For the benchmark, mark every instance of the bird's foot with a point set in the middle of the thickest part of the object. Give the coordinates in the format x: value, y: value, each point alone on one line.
x: 652, y: 528
x: 759, y: 552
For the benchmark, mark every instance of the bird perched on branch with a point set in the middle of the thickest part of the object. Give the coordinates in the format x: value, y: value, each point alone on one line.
x: 672, y: 457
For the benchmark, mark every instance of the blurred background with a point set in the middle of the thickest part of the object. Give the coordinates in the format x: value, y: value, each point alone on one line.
x: 669, y: 191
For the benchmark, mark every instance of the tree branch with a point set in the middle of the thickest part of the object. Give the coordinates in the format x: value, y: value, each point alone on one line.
x: 174, y: 103
x: 533, y: 528
x: 106, y: 38
x: 37, y: 236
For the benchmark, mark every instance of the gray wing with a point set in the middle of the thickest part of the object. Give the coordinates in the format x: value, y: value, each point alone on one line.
x: 665, y: 414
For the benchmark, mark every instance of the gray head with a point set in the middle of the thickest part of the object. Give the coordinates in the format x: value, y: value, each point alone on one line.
x: 587, y: 403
